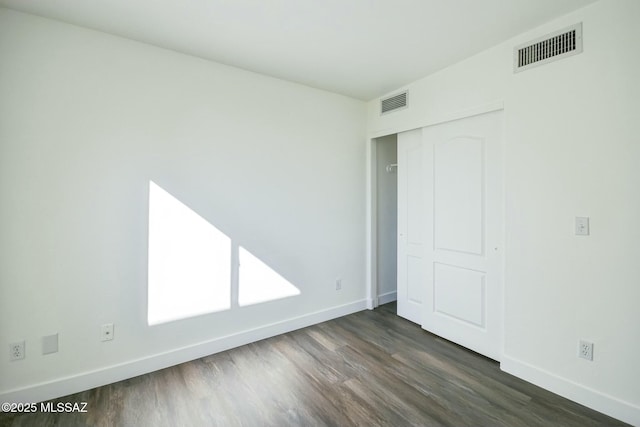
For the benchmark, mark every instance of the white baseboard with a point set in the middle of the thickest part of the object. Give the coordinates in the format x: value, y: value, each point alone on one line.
x: 601, y: 402
x: 110, y: 374
x: 388, y: 297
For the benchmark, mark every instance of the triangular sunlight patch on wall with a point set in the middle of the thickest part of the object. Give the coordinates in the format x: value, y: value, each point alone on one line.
x: 189, y: 261
x: 260, y: 283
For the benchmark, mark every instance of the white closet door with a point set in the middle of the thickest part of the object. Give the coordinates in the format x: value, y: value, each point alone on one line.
x: 411, y: 193
x: 463, y: 214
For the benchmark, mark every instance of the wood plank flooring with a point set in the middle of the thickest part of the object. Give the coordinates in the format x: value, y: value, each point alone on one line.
x: 371, y: 368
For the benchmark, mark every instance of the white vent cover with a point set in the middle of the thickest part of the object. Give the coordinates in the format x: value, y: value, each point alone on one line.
x: 554, y: 46
x: 394, y: 102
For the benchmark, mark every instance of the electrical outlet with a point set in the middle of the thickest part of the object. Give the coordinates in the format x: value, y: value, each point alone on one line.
x: 338, y: 284
x: 16, y: 351
x: 106, y: 332
x: 585, y: 350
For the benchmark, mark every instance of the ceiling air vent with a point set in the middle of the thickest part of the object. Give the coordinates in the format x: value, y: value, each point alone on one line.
x: 548, y: 48
x: 394, y: 102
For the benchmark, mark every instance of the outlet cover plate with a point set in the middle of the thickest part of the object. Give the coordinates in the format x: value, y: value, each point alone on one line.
x: 582, y: 226
x: 16, y: 351
x: 106, y: 332
x: 585, y: 350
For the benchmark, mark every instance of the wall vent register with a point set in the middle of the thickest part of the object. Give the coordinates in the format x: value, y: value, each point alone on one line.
x: 549, y: 48
x: 394, y: 102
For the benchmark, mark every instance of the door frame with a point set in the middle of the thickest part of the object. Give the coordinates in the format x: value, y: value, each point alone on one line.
x: 371, y: 188
x: 371, y: 222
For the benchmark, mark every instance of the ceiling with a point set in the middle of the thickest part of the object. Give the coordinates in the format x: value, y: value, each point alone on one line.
x: 359, y: 48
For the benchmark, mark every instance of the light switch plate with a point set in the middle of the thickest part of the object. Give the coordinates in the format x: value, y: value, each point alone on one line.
x: 582, y: 226
x: 50, y: 344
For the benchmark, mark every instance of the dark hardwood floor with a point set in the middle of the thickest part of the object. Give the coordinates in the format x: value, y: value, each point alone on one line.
x: 371, y: 368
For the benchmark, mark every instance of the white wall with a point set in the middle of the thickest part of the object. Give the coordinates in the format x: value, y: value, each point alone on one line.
x: 571, y: 130
x: 86, y: 120
x: 387, y: 218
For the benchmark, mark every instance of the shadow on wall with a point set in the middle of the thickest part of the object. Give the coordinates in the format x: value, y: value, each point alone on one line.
x: 192, y: 265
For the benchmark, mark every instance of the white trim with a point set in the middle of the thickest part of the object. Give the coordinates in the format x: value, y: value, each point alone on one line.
x: 369, y: 303
x: 99, y: 377
x: 388, y: 297
x: 371, y: 273
x: 444, y: 118
x: 617, y: 408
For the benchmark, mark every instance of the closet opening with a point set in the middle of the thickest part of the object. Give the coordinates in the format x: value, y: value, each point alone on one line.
x: 383, y: 219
